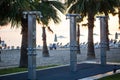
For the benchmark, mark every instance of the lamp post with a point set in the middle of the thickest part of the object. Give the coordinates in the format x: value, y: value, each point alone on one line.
x: 73, y: 41
x: 31, y: 15
x: 103, y: 42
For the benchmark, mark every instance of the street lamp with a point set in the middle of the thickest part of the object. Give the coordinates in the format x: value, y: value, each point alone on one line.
x: 31, y: 42
x: 73, y: 41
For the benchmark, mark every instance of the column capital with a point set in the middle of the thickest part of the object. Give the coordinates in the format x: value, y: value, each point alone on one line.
x: 72, y: 15
x: 37, y: 13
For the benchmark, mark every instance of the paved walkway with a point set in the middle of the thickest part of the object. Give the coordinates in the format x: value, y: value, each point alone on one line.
x: 63, y: 73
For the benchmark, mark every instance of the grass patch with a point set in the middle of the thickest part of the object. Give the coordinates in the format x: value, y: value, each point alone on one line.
x: 12, y: 70
x: 17, y: 69
x: 48, y: 66
x: 112, y: 77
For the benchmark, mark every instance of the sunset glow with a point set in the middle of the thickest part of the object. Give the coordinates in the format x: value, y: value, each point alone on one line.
x: 12, y: 36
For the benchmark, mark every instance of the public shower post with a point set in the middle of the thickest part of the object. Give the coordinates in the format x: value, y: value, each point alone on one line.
x: 103, y: 43
x: 31, y: 16
x: 73, y: 41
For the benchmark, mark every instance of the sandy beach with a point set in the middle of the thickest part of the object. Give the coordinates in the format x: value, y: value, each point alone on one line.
x: 10, y: 58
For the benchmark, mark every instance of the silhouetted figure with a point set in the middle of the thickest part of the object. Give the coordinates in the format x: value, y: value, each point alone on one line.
x: 114, y: 69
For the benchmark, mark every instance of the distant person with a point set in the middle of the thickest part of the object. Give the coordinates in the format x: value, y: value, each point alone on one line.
x: 115, y: 41
x: 5, y: 46
x: 0, y: 51
x: 50, y: 46
x: 54, y: 46
x: 115, y: 69
x: 0, y: 46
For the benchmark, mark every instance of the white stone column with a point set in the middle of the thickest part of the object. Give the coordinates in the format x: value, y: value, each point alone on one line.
x: 31, y: 43
x: 103, y: 43
x: 73, y: 41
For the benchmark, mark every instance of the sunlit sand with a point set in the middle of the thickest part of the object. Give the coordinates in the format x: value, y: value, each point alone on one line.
x: 60, y: 56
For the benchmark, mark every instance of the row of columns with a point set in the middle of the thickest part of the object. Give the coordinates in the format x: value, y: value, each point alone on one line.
x: 73, y: 41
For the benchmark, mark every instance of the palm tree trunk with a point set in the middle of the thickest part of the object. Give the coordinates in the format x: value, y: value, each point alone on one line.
x: 23, y: 53
x: 90, y: 52
x: 78, y: 40
x: 107, y: 36
x: 107, y: 33
x: 119, y: 16
x: 45, y: 48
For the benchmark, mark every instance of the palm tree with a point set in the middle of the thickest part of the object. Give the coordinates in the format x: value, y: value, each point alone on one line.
x: 49, y: 10
x: 12, y: 12
x: 86, y: 8
x: 45, y: 51
x: 4, y: 8
x: 118, y: 7
x: 119, y: 16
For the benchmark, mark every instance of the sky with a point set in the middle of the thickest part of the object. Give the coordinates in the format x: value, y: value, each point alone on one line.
x: 12, y: 36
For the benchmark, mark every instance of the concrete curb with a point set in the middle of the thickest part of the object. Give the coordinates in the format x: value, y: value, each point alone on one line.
x: 96, y: 77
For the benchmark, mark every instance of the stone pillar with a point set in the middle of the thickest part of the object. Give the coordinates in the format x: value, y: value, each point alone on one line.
x: 103, y: 43
x: 73, y: 41
x: 31, y: 43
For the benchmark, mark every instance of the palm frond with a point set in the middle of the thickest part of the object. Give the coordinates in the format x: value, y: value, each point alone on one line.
x: 12, y: 10
x: 58, y: 5
x: 70, y: 2
x: 49, y: 11
x: 49, y: 29
x: 107, y: 6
